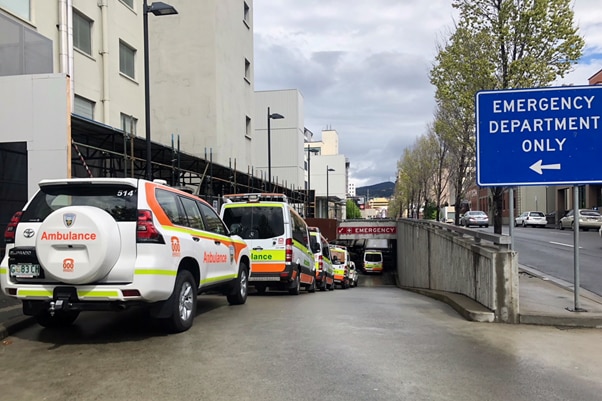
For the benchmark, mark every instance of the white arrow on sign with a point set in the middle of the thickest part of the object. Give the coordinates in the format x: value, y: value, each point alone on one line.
x: 538, y: 167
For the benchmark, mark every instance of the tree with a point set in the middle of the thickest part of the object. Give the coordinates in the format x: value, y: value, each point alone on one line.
x: 525, y: 43
x: 353, y: 212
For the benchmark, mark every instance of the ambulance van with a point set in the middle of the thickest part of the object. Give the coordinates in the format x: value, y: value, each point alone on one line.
x: 278, y: 239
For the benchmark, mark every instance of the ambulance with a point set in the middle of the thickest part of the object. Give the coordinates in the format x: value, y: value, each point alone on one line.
x: 278, y: 239
x: 373, y: 261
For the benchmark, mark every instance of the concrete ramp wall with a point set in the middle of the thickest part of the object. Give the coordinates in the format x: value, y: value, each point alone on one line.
x: 479, y: 265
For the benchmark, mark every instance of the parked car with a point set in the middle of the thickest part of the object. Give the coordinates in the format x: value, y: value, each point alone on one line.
x: 105, y: 244
x: 588, y: 218
x: 340, y: 264
x: 321, y: 250
x: 278, y: 237
x: 534, y: 219
x: 474, y: 218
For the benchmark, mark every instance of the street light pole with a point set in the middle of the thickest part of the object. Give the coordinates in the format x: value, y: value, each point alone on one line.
x: 158, y: 9
x: 309, y: 151
x: 328, y: 170
x: 274, y: 116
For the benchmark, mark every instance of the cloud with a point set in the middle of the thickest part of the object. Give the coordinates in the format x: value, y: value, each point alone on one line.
x: 363, y: 67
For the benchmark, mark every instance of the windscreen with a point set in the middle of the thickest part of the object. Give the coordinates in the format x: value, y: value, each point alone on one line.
x: 118, y: 200
x: 373, y: 257
x: 256, y: 222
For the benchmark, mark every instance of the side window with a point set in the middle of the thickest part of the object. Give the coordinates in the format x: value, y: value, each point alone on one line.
x: 325, y: 250
x: 212, y: 221
x: 195, y: 220
x: 172, y: 207
x: 299, y: 229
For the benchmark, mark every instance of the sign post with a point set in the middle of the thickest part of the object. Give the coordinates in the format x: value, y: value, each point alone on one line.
x: 543, y: 136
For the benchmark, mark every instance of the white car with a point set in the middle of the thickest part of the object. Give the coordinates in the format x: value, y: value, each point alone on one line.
x: 92, y: 244
x: 588, y: 218
x: 474, y: 218
x: 534, y: 219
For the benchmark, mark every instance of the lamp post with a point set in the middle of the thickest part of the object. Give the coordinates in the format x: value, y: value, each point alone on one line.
x: 158, y: 8
x: 271, y: 116
x: 309, y: 152
x: 328, y: 170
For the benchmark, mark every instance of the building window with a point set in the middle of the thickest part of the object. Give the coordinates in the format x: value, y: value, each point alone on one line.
x: 126, y: 60
x: 128, y: 124
x: 83, y: 107
x: 20, y: 8
x: 247, y: 70
x: 246, y: 15
x: 82, y: 33
x: 130, y: 3
x: 248, y: 127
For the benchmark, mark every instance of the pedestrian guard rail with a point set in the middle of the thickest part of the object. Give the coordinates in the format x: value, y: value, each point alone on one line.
x: 480, y: 265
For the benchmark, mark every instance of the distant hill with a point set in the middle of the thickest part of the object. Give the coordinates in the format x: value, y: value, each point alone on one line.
x: 382, y: 190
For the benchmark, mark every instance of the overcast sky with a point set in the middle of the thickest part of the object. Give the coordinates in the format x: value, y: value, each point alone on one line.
x: 362, y: 68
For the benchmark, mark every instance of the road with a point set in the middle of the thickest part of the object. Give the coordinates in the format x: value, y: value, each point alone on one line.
x: 373, y: 342
x: 551, y: 251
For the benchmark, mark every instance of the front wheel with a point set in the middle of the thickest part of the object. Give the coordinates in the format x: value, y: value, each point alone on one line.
x: 182, y: 303
x: 238, y: 296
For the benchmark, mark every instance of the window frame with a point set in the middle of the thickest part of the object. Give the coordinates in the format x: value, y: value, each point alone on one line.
x: 79, y: 21
x: 123, y: 63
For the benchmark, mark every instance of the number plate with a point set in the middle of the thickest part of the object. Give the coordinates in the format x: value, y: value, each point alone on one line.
x: 25, y: 270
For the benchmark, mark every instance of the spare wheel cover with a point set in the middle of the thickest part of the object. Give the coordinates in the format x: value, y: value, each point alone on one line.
x: 78, y: 244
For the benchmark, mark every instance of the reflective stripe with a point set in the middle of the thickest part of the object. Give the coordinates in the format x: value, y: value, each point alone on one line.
x: 157, y: 272
x: 82, y: 293
x: 221, y: 278
x: 3, y: 270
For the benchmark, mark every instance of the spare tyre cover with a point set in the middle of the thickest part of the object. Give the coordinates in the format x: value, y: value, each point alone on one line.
x: 78, y: 244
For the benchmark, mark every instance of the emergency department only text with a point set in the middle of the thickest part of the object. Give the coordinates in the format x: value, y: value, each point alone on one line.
x: 552, y: 123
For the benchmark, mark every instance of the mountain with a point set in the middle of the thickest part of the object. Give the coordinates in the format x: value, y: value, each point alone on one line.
x: 382, y: 190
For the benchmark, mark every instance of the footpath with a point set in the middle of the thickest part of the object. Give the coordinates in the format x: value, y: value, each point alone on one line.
x: 543, y: 300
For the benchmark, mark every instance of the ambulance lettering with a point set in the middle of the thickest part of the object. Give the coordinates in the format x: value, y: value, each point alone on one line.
x: 68, y: 236
x: 210, y: 257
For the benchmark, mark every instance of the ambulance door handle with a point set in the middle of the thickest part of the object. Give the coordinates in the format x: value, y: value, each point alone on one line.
x: 258, y: 248
x: 196, y: 239
x: 217, y: 242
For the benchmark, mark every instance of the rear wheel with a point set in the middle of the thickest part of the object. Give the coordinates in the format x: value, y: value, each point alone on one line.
x: 295, y: 288
x: 312, y: 287
x: 182, y: 303
x: 238, y: 296
x: 59, y: 319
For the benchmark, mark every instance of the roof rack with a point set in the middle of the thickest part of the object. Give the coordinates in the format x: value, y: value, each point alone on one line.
x: 255, y: 197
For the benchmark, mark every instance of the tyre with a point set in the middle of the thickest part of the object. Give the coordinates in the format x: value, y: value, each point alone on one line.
x: 515, y: 223
x: 238, y: 296
x: 59, y: 319
x: 295, y: 288
x: 323, y: 285
x: 524, y: 224
x: 312, y: 288
x: 182, y: 303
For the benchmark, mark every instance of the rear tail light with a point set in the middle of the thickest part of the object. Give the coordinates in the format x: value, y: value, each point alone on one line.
x: 289, y: 250
x: 320, y: 262
x: 145, y: 230
x: 11, y: 228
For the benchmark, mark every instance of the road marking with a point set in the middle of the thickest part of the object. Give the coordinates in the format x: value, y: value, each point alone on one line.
x: 560, y: 243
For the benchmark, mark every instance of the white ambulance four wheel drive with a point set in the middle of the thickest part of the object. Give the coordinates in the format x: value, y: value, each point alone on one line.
x: 109, y: 244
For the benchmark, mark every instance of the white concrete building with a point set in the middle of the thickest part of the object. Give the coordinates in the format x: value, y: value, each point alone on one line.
x: 201, y: 67
x: 287, y: 136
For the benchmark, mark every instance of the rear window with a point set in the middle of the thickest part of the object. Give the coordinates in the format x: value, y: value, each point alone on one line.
x: 373, y: 257
x: 340, y: 255
x: 313, y: 239
x: 590, y: 213
x: 118, y: 200
x: 537, y: 214
x: 256, y: 222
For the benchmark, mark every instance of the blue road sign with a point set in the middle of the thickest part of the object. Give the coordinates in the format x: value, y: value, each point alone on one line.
x: 544, y: 136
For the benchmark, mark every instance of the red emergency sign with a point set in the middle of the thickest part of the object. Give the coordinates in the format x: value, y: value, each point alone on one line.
x: 367, y: 230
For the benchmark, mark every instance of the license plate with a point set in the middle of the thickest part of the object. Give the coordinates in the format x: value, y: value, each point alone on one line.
x: 25, y: 270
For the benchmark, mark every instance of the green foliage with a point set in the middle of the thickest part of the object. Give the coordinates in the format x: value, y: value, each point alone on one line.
x: 353, y: 212
x: 430, y: 211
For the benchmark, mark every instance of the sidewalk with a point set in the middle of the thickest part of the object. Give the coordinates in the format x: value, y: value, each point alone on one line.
x: 543, y: 300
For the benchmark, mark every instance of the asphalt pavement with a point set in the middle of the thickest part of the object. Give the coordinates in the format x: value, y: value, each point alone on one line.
x: 543, y: 300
